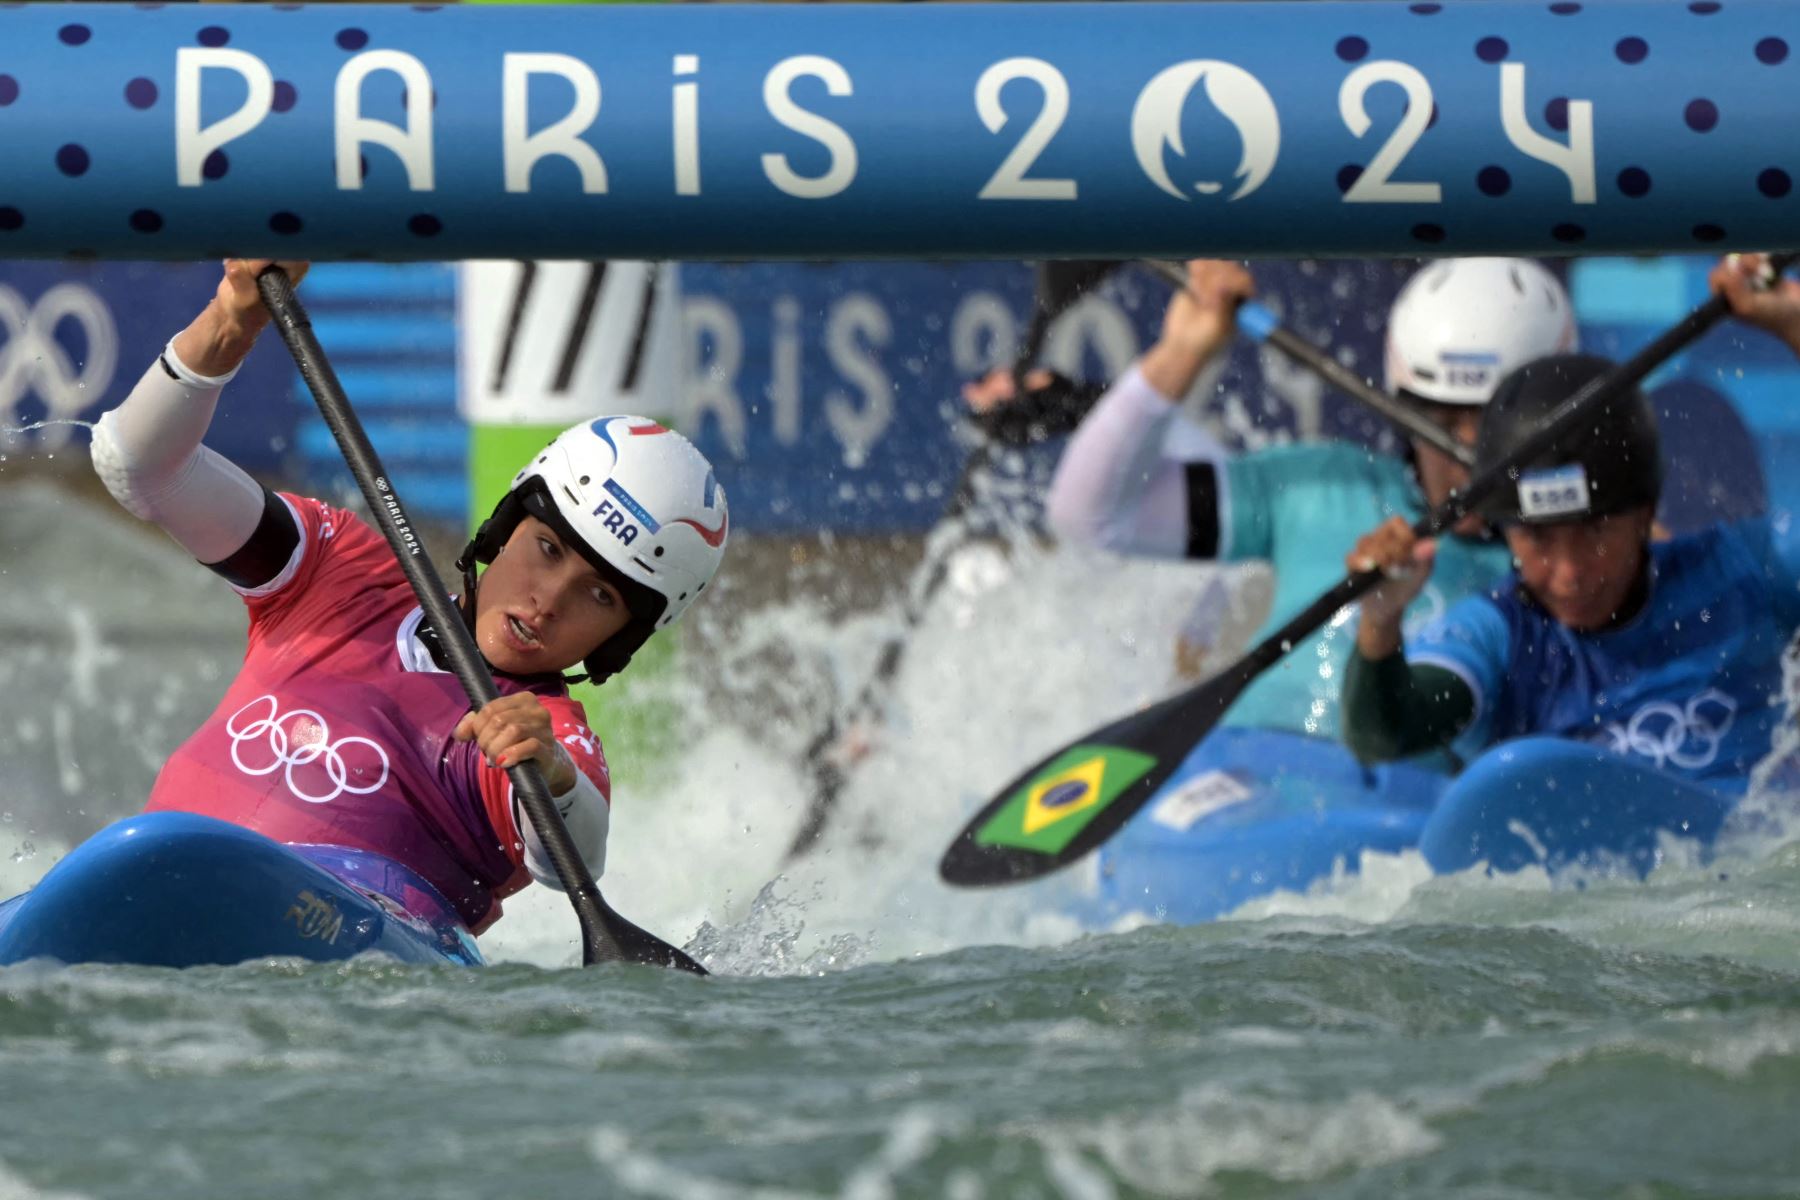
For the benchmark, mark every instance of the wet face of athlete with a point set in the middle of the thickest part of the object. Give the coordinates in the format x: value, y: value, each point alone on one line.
x: 1439, y: 474
x: 1583, y: 572
x: 541, y: 606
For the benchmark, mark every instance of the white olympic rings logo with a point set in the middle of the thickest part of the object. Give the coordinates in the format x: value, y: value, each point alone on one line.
x: 32, y: 361
x: 1687, y: 736
x: 298, y: 739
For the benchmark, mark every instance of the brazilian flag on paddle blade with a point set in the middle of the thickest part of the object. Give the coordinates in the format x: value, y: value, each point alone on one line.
x: 1050, y: 809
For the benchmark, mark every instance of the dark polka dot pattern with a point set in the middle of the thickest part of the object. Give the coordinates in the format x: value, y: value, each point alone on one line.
x: 1702, y: 116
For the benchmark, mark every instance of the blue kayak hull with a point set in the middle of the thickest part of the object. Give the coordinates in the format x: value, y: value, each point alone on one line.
x: 173, y: 889
x: 1253, y: 812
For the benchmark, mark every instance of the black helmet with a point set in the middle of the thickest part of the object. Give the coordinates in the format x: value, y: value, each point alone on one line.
x: 1611, y: 463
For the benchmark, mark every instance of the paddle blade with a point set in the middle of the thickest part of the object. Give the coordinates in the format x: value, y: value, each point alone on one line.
x: 1060, y: 283
x: 1075, y: 799
x: 637, y: 945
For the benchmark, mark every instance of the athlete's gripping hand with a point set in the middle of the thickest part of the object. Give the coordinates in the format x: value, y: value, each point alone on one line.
x: 1406, y: 559
x: 514, y: 728
x: 999, y: 388
x: 1200, y: 322
x: 1755, y: 300
x: 222, y: 335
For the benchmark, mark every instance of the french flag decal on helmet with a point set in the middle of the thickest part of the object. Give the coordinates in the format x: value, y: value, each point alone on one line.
x: 712, y: 537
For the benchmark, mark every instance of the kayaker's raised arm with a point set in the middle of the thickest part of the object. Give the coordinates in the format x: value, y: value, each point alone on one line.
x: 149, y: 454
x: 1116, y: 486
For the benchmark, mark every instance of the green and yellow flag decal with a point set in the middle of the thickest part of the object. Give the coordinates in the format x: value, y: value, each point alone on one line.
x: 1058, y: 802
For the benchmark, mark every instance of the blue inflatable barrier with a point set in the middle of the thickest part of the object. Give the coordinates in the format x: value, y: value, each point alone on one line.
x: 176, y: 890
x: 766, y: 131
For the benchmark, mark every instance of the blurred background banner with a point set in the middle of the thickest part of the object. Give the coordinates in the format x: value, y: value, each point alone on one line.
x: 431, y: 132
x: 828, y: 394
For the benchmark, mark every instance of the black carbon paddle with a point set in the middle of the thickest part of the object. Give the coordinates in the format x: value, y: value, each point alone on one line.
x: 1076, y: 798
x: 605, y: 935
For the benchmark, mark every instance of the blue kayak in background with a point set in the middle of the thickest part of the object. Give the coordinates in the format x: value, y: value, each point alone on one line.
x: 173, y: 889
x: 1252, y: 812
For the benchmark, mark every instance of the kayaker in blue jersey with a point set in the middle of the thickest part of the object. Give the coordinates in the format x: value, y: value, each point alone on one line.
x: 1632, y: 685
x: 1123, y: 484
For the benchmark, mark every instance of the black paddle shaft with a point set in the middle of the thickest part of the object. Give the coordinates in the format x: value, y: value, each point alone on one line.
x: 1169, y: 729
x: 605, y: 935
x: 1343, y: 379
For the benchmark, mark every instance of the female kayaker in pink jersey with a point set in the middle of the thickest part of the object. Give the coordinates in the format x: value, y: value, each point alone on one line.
x: 344, y: 726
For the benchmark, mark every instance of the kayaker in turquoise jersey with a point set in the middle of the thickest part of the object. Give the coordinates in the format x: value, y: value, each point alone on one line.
x: 1632, y: 685
x: 1128, y: 482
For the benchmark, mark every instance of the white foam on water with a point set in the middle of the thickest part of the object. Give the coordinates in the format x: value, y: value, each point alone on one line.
x: 16, y: 1187
x: 1011, y: 659
x: 1214, y: 1130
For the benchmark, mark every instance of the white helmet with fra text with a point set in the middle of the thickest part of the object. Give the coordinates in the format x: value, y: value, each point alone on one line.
x: 1461, y: 325
x: 642, y: 505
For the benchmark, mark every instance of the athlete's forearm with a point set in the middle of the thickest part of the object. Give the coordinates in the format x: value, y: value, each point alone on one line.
x: 1392, y: 709
x: 1114, y: 488
x: 588, y: 818
x: 148, y: 453
x: 217, y: 341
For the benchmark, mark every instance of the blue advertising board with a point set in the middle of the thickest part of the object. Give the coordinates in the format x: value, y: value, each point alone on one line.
x: 829, y: 395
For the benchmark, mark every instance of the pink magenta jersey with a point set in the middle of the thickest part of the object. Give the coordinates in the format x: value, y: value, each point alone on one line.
x: 337, y: 728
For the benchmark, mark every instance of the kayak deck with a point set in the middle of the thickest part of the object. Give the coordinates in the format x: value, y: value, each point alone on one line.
x: 176, y: 890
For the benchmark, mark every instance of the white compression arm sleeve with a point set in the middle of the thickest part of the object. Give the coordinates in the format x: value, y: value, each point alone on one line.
x: 1116, y: 486
x: 588, y: 818
x: 148, y: 453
